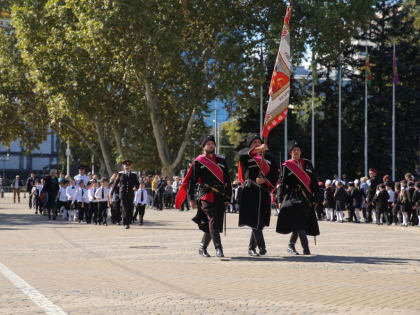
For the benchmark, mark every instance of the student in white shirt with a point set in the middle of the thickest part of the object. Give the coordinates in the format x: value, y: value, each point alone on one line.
x: 92, y: 210
x: 102, y: 196
x: 81, y: 200
x: 140, y: 201
x: 70, y: 191
x: 35, y: 192
x: 62, y: 198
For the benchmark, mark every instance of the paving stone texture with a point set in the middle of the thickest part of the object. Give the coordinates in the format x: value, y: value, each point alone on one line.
x: 156, y: 269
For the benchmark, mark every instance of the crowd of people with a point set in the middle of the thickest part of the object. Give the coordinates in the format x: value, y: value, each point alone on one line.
x: 86, y: 198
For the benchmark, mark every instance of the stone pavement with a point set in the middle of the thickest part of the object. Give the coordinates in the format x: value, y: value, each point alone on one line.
x: 155, y: 268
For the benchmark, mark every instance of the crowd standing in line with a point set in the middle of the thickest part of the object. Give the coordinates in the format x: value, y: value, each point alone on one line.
x: 298, y: 198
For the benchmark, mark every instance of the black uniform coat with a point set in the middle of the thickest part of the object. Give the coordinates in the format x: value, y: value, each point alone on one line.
x: 210, y: 204
x: 297, y: 212
x: 125, y: 183
x: 255, y: 204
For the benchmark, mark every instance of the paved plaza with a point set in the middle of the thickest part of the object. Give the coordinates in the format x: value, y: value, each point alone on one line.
x: 155, y: 269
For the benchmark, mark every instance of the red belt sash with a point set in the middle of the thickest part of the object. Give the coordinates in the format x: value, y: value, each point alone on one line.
x: 210, y: 165
x: 299, y: 172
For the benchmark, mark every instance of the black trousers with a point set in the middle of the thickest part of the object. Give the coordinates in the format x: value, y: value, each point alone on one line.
x: 303, y: 239
x: 101, y: 214
x: 257, y: 239
x: 81, y: 209
x: 116, y: 212
x: 140, y: 209
x: 94, y: 208
x: 127, y: 209
x: 88, y: 212
x: 30, y: 200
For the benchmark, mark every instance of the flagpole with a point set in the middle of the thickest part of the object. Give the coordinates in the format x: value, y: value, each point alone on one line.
x: 285, y: 138
x: 313, y: 125
x: 261, y: 101
x: 393, y: 118
x: 366, y: 121
x: 339, y: 118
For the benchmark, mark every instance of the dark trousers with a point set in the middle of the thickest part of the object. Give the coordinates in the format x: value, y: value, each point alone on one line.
x: 94, y: 209
x: 139, y: 211
x: 185, y: 204
x: 383, y: 213
x: 116, y: 212
x: 159, y: 200
x: 213, y: 230
x: 88, y: 212
x: 81, y: 209
x: 101, y: 215
x: 127, y: 210
x: 257, y: 239
x: 303, y: 239
x: 30, y: 200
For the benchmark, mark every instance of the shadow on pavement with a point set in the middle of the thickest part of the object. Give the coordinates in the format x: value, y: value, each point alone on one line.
x: 332, y: 259
x: 27, y: 220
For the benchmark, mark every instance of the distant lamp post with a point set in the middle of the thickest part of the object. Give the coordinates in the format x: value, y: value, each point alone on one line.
x: 68, y: 153
x: 5, y: 159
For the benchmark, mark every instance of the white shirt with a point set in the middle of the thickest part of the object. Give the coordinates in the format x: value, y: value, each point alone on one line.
x: 70, y: 190
x: 17, y: 183
x: 81, y: 194
x: 78, y: 178
x: 91, y: 194
x: 98, y: 194
x: 62, y: 195
x: 39, y: 187
x: 137, y: 197
x: 391, y: 195
x: 175, y: 187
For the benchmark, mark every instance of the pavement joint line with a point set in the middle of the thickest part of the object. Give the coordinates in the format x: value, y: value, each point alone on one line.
x: 37, y: 297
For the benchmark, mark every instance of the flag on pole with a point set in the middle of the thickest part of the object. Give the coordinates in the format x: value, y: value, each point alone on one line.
x: 314, y: 72
x: 395, y: 69
x: 280, y: 81
x: 368, y: 72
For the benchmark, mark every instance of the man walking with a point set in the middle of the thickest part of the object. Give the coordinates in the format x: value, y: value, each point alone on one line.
x: 258, y: 173
x: 297, y: 194
x: 127, y: 183
x: 214, y: 194
x: 30, y: 182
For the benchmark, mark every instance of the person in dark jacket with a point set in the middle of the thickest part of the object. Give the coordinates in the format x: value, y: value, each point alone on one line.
x: 127, y: 183
x: 340, y: 197
x: 297, y: 195
x: 403, y: 203
x: 356, y: 200
x: 210, y: 172
x: 416, y: 201
x: 381, y: 204
x: 160, y: 190
x: 30, y: 183
x: 51, y: 189
x: 329, y: 202
x: 374, y: 182
x: 258, y: 173
x: 411, y: 215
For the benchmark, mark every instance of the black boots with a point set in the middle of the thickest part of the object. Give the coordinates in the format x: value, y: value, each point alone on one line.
x: 205, y: 241
x: 292, y: 250
x: 303, y: 241
x: 257, y: 239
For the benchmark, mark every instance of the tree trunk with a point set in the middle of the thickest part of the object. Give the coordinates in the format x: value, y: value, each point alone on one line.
x: 117, y: 137
x: 104, y: 148
x: 168, y: 163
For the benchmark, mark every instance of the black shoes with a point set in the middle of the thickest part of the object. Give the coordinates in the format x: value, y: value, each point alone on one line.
x: 263, y: 251
x: 292, y: 250
x: 203, y: 252
x: 252, y: 252
x: 306, y: 252
x: 219, y: 252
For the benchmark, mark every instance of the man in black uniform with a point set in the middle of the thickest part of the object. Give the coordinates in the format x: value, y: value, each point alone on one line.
x: 259, y: 177
x: 297, y: 195
x: 30, y: 182
x: 374, y: 182
x: 127, y: 183
x: 210, y: 172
